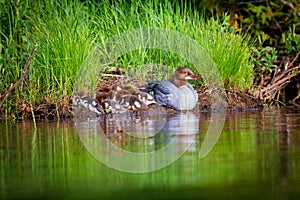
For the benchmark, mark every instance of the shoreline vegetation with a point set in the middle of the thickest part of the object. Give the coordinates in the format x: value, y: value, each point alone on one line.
x: 258, y: 69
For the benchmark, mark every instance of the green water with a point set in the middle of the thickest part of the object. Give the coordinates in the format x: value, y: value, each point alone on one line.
x: 256, y: 157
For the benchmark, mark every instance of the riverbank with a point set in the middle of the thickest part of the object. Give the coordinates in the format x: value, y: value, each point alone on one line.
x: 237, y: 101
x: 280, y: 89
x: 64, y: 34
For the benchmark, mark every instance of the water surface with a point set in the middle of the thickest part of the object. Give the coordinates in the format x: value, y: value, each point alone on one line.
x: 257, y: 156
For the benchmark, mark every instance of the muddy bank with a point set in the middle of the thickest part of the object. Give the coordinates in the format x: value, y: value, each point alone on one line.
x: 237, y: 101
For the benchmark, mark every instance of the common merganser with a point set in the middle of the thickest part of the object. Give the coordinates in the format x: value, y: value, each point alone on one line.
x: 144, y: 97
x: 132, y: 102
x: 109, y: 105
x: 175, y: 93
x: 118, y: 99
x: 91, y: 104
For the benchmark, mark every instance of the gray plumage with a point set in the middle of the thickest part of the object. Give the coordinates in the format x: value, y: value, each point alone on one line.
x: 175, y: 93
x: 168, y: 94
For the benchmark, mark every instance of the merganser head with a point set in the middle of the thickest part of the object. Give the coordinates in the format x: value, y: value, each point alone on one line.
x: 186, y: 74
x: 116, y: 87
x: 181, y: 75
x: 101, y: 97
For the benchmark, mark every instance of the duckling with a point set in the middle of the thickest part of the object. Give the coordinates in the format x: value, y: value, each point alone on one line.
x: 104, y: 89
x: 109, y: 105
x: 120, y: 96
x: 90, y: 103
x: 135, y: 103
x: 145, y: 97
x: 116, y: 87
x: 113, y: 107
x: 76, y: 100
x: 117, y: 98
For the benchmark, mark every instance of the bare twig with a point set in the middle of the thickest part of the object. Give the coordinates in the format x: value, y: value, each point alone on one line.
x: 289, y: 4
x: 296, y: 57
x: 114, y: 75
x: 289, y: 68
x: 23, y: 76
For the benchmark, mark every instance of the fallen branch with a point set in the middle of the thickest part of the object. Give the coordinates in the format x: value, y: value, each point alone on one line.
x: 23, y: 76
x: 289, y: 69
x: 270, y: 91
x: 279, y: 80
x: 270, y: 88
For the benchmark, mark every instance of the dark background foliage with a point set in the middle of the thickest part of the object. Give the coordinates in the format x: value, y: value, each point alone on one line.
x: 274, y: 23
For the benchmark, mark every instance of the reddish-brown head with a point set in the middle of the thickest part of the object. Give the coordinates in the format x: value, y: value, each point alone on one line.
x: 181, y: 76
x: 186, y: 74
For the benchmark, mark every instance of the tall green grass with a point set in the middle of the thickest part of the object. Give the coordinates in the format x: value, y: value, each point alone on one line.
x: 66, y: 32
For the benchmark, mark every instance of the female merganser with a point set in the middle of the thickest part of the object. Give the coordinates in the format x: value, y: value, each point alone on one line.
x: 175, y: 93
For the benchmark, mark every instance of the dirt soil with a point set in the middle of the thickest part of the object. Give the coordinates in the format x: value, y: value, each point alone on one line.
x: 237, y: 101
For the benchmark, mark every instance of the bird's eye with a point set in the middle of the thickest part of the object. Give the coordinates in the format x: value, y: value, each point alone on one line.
x: 186, y: 74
